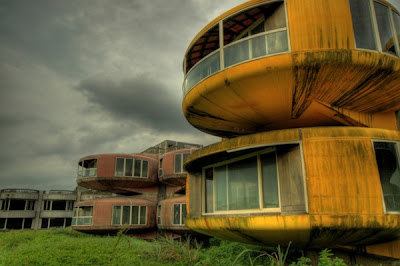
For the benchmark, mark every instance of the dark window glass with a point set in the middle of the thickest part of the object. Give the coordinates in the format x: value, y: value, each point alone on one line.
x: 184, y: 213
x: 221, y: 186
x: 145, y: 169
x: 45, y: 223
x: 362, y: 24
x: 119, y: 167
x: 2, y: 223
x: 128, y: 167
x: 178, y: 163
x: 138, y: 168
x: 209, y: 190
x: 28, y: 223
x: 243, y: 192
x: 143, y: 214
x: 68, y: 221
x: 388, y: 166
x: 385, y: 28
x: 126, y: 214
x: 270, y: 181
x: 177, y: 213
x: 396, y: 19
x: 59, y: 205
x: 116, y: 220
x: 135, y: 215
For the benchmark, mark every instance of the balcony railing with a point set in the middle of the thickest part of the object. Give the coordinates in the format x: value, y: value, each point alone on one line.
x: 88, y: 172
x: 255, y: 46
x: 82, y: 220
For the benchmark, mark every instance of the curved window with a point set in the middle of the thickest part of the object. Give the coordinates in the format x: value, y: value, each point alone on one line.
x: 246, y: 183
x: 129, y: 215
x: 87, y: 168
x: 388, y: 167
x: 375, y: 26
x: 131, y: 167
x: 179, y: 214
x: 179, y: 159
x: 256, y: 32
x: 83, y: 215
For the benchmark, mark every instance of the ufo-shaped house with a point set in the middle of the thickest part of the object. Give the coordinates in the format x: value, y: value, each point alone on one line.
x: 304, y: 95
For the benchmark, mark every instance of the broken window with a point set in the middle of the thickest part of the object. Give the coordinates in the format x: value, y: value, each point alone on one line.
x: 83, y: 215
x: 87, y: 168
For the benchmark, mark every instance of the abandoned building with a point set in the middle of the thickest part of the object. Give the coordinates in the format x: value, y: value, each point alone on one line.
x: 36, y: 209
x: 148, y: 188
x: 305, y: 96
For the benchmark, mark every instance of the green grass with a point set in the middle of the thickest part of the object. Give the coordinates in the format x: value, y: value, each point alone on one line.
x: 68, y: 247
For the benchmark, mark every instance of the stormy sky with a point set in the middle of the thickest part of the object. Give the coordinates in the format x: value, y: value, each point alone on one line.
x: 82, y: 77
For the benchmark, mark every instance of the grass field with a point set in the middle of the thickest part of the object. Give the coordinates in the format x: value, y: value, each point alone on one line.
x: 68, y: 247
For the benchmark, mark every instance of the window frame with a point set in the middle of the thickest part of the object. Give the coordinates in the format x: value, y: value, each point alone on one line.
x: 181, y: 218
x: 81, y: 169
x: 377, y: 37
x: 133, y: 167
x: 261, y: 209
x: 181, y: 161
x: 397, y: 145
x: 76, y: 216
x: 130, y: 215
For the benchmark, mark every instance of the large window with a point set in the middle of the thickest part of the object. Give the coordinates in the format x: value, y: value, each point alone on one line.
x: 179, y: 159
x: 388, y: 166
x: 83, y: 215
x: 17, y: 205
x: 87, y: 168
x: 245, y: 183
x: 255, y: 32
x: 375, y: 26
x: 179, y: 213
x: 129, y: 215
x: 58, y: 205
x: 131, y: 167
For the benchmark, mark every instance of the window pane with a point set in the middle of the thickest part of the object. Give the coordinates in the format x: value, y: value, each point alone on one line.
x: 177, y: 213
x: 362, y: 24
x: 386, y: 157
x: 209, y: 190
x: 220, y: 188
x: 145, y: 168
x: 128, y: 167
x: 178, y: 164
x: 184, y: 213
x: 270, y: 181
x: 277, y: 42
x: 236, y: 53
x: 138, y: 167
x: 143, y: 214
x: 126, y: 214
x: 396, y: 18
x: 135, y: 215
x: 258, y: 47
x: 119, y: 167
x: 116, y: 215
x: 243, y: 185
x: 385, y: 28
x: 275, y: 17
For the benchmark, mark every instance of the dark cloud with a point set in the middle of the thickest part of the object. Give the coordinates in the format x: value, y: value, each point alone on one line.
x: 143, y: 99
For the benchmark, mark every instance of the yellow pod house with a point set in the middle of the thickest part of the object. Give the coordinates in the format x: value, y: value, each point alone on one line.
x: 304, y: 95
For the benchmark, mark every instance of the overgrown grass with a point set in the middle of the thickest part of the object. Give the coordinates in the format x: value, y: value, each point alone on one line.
x: 68, y: 247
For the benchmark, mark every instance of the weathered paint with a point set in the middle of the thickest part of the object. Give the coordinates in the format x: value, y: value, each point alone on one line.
x: 343, y: 190
x: 323, y: 67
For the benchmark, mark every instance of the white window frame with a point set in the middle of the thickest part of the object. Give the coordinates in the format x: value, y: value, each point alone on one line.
x: 182, y: 161
x: 81, y: 169
x: 376, y: 30
x: 133, y: 167
x: 76, y: 216
x: 130, y: 215
x: 181, y: 218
